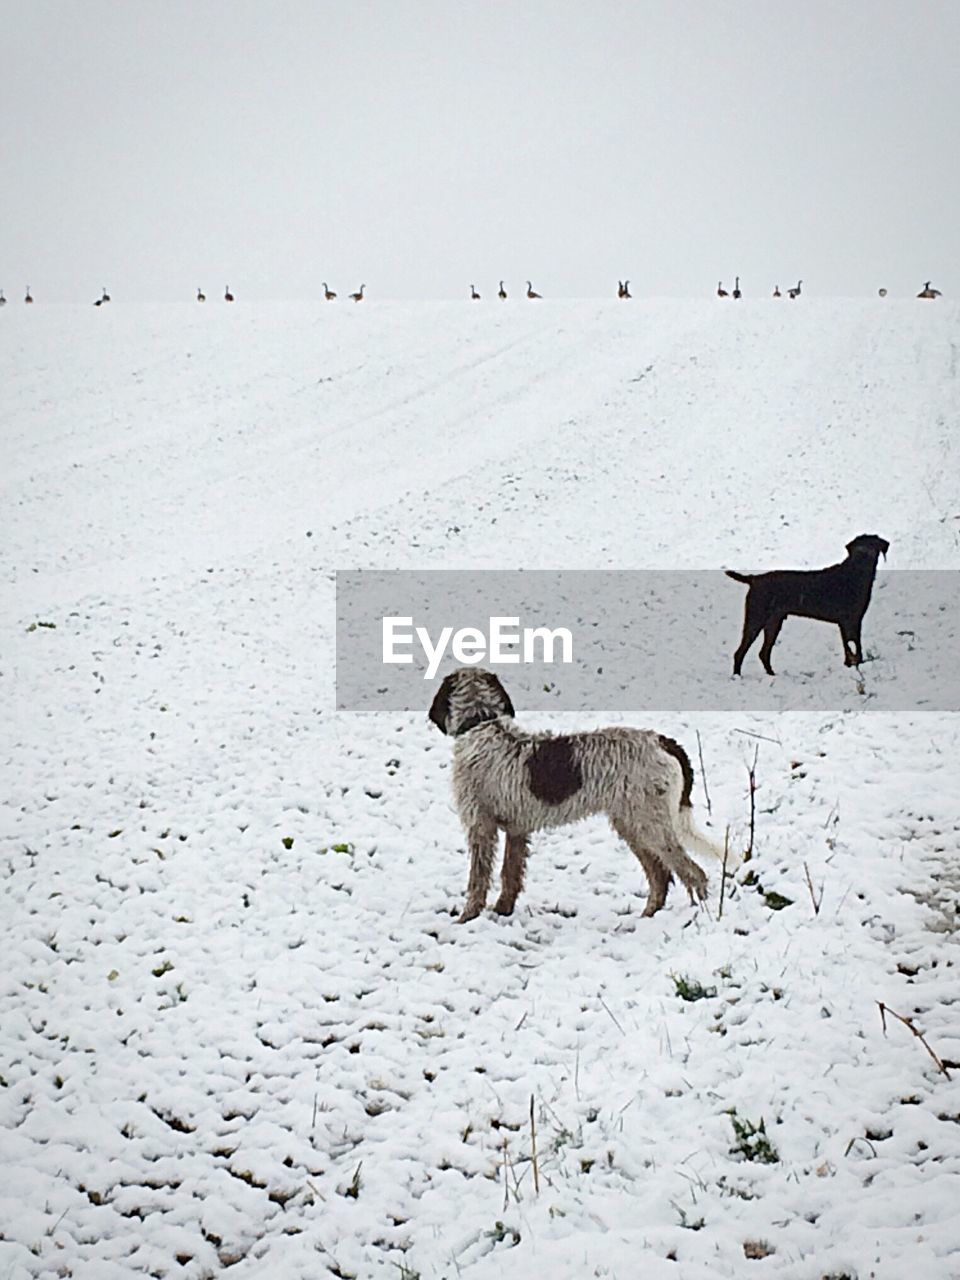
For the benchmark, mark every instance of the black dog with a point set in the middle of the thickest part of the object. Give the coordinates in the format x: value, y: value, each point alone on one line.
x: 839, y: 593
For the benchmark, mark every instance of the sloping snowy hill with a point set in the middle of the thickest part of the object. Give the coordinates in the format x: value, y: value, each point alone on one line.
x: 240, y: 1032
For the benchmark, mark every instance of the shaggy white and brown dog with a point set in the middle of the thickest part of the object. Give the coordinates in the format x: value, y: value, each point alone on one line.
x: 505, y: 779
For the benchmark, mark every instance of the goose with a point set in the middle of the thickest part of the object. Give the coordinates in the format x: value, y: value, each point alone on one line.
x: 928, y: 291
x: 201, y: 296
x: 736, y: 287
x: 721, y: 291
x: 626, y: 289
x: 502, y: 294
x: 474, y: 296
x: 3, y: 301
x: 619, y: 288
x: 328, y: 293
x: 882, y: 292
x: 358, y: 296
x: 29, y: 295
x: 227, y: 295
x: 795, y: 293
x: 106, y: 296
x: 776, y: 291
x: 530, y: 291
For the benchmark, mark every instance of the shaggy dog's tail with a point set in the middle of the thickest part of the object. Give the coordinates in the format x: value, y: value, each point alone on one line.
x: 686, y: 833
x: 740, y: 577
x: 696, y: 841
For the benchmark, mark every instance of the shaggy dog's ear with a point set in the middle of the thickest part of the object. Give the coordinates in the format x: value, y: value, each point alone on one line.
x: 440, y: 707
x: 506, y: 706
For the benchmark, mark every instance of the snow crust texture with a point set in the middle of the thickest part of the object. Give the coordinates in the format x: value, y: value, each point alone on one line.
x: 240, y: 1032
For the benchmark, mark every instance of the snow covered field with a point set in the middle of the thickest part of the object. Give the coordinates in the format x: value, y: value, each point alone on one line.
x: 240, y: 1032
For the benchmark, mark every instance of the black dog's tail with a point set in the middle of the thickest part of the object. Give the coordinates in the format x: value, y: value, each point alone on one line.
x: 740, y: 577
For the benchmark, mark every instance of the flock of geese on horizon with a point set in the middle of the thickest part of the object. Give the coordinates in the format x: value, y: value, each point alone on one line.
x: 927, y: 291
x: 623, y: 291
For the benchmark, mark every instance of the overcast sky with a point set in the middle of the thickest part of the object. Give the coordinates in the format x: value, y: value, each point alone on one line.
x: 419, y: 146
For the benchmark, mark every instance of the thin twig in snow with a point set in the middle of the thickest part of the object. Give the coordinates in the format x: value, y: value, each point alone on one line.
x: 752, y: 775
x: 506, y: 1175
x: 846, y: 894
x: 703, y: 774
x: 858, y: 1139
x: 533, y: 1150
x: 613, y: 1019
x: 763, y: 736
x: 908, y: 1023
x: 813, y: 897
x: 58, y: 1221
x: 723, y: 871
x: 665, y: 1036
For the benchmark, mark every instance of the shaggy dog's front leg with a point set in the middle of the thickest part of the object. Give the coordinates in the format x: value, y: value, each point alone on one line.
x: 511, y: 874
x: 482, y: 843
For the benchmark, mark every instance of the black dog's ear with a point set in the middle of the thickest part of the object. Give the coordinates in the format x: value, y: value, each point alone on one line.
x: 862, y: 542
x: 440, y: 707
x: 868, y: 542
x: 505, y: 702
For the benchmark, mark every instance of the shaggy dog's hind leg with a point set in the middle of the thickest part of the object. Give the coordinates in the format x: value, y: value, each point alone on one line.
x: 692, y: 877
x: 511, y: 873
x: 671, y: 853
x: 658, y: 875
x: 482, y: 843
x: 660, y: 881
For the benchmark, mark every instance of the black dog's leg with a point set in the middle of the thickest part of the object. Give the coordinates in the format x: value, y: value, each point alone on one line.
x: 752, y: 626
x: 850, y: 633
x: 770, y: 633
